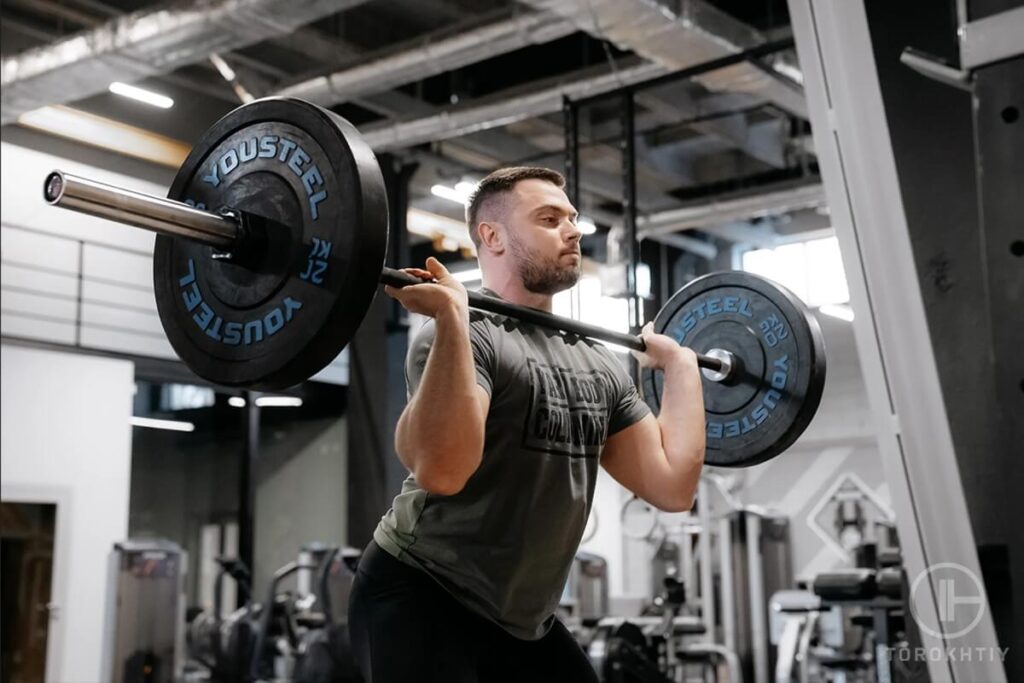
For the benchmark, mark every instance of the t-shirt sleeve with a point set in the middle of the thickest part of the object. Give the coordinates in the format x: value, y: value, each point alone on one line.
x: 629, y: 407
x: 419, y: 350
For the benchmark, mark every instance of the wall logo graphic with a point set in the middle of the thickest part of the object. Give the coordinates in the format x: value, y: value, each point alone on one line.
x: 956, y: 591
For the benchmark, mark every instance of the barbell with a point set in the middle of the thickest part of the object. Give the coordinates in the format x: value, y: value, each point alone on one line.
x: 271, y: 244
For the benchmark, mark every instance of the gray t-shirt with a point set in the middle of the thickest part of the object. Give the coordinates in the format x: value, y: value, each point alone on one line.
x: 503, y: 546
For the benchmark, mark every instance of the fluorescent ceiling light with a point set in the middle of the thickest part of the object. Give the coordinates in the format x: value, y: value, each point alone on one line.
x: 586, y: 226
x: 465, y: 188
x: 278, y: 401
x: 173, y: 425
x: 449, y: 193
x: 473, y: 275
x: 459, y: 194
x: 841, y: 311
x: 268, y: 402
x: 142, y: 95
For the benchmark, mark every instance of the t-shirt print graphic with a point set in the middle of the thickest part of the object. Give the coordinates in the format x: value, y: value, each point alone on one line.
x: 569, y: 410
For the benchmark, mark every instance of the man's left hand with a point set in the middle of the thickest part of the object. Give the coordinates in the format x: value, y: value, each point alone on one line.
x: 662, y: 350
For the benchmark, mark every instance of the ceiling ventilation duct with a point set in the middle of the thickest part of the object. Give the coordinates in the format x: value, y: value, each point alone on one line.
x: 681, y: 34
x: 147, y: 43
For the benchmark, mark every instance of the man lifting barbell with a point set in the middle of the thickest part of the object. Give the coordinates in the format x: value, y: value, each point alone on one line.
x: 269, y: 252
x: 503, y: 433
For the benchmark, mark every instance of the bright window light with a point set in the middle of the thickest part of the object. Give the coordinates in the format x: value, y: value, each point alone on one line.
x: 812, y: 270
x: 643, y: 280
x: 173, y: 425
x: 278, y: 401
x: 586, y: 225
x: 584, y: 302
x: 142, y: 95
x: 236, y: 402
x: 825, y: 276
x: 841, y: 311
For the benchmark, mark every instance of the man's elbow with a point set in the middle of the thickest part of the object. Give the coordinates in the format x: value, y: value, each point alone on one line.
x: 445, y: 471
x: 682, y: 497
x: 677, y: 503
x: 440, y: 483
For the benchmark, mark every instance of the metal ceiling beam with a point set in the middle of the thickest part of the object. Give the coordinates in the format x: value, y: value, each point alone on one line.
x: 505, y: 107
x: 143, y: 44
x: 693, y: 245
x: 421, y: 58
x: 321, y: 48
x: 698, y: 32
x: 675, y: 103
x: 743, y: 232
x: 723, y: 211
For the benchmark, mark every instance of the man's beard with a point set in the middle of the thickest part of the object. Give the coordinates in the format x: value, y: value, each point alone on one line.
x: 540, y: 274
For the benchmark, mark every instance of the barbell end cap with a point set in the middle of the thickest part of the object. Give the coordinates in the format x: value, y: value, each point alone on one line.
x: 729, y: 365
x: 53, y: 188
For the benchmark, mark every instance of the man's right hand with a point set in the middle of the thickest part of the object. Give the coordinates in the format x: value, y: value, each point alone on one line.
x: 443, y: 295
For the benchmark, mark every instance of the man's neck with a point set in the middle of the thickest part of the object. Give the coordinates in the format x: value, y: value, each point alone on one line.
x: 511, y: 289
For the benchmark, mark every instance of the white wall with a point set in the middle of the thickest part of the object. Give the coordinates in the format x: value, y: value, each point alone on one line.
x: 66, y: 437
x: 43, y: 261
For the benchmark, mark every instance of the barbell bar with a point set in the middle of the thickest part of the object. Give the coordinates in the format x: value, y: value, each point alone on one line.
x: 224, y: 232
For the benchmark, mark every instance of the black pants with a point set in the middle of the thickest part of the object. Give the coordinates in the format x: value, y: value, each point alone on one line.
x: 405, y: 627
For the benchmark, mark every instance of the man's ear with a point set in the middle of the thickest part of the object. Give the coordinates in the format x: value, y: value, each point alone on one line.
x: 492, y: 236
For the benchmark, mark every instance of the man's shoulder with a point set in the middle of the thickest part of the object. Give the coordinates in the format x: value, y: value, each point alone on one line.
x: 487, y: 323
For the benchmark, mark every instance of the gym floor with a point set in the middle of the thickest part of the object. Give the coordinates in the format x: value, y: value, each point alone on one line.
x: 199, y: 407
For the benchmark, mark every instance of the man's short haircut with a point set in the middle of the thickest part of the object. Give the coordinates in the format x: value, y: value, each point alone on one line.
x: 496, y: 186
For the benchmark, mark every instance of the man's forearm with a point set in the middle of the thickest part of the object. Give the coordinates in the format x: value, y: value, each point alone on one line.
x: 441, y: 433
x: 681, y: 421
